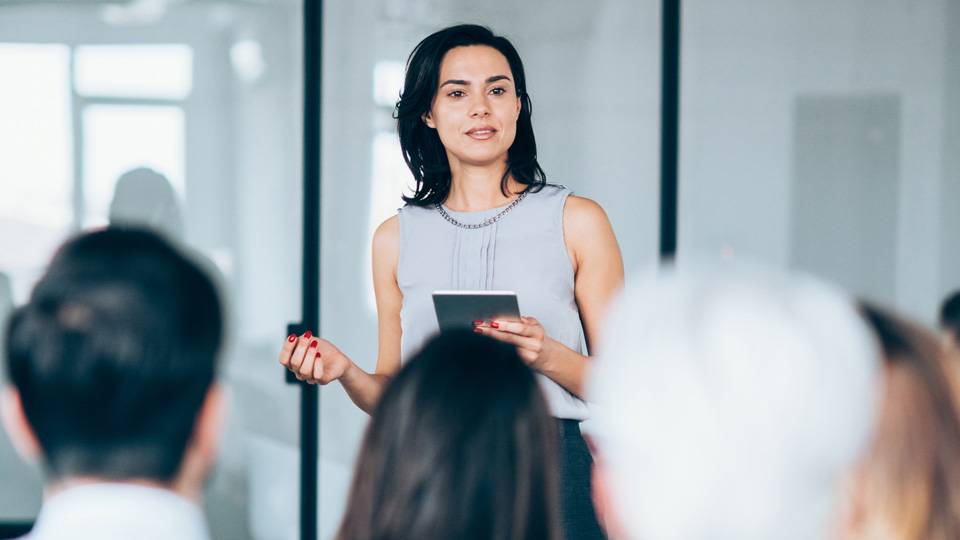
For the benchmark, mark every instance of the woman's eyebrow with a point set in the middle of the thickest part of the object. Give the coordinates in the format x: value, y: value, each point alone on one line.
x: 463, y: 82
x: 455, y: 81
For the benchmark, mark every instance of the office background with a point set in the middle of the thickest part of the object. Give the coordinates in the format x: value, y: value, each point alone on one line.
x: 820, y: 135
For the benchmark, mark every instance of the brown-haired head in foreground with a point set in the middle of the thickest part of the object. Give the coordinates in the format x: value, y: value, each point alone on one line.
x: 461, y: 445
x: 909, y: 485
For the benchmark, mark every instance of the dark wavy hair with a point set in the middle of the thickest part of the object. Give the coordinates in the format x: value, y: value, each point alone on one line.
x: 422, y: 149
x: 461, y: 445
x: 950, y: 315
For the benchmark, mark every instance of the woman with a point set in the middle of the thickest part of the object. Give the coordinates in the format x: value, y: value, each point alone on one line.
x: 483, y: 217
x: 440, y: 459
x: 908, y: 486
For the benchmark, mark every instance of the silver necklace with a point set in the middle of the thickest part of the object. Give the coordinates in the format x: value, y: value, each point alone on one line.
x: 485, y: 223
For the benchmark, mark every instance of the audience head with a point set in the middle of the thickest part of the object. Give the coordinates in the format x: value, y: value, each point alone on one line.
x: 950, y: 321
x: 729, y: 404
x: 461, y: 445
x: 908, y: 484
x: 112, y: 363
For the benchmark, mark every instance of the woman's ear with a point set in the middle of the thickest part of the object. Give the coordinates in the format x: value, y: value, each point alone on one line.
x: 18, y: 428
x: 428, y: 120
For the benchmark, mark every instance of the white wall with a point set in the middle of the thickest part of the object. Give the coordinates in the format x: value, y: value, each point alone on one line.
x: 744, y: 64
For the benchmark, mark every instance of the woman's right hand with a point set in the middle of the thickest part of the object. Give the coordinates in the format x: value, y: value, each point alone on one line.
x: 313, y: 359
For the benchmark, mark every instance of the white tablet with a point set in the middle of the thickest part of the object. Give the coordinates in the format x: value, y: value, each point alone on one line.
x: 458, y: 309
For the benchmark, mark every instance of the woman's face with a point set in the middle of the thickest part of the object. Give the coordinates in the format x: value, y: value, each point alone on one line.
x: 476, y: 107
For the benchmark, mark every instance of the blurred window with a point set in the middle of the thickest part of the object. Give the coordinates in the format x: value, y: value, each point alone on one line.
x: 139, y: 71
x: 36, y: 160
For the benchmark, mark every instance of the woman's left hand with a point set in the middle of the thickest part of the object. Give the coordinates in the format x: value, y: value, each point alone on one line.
x: 533, y: 344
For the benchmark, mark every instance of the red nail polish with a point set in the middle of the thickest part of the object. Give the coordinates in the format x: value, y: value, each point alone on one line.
x: 308, y: 334
x: 493, y: 324
x: 313, y: 344
x: 478, y: 330
x: 477, y: 323
x: 291, y: 338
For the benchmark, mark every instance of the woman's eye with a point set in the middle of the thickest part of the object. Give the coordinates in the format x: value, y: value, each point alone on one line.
x: 498, y: 91
x: 456, y: 93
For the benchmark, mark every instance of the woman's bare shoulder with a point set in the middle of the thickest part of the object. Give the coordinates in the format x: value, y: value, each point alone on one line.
x: 389, y: 230
x: 386, y: 243
x: 581, y: 212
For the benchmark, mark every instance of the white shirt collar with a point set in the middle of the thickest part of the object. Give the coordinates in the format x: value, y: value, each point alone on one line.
x: 108, y: 511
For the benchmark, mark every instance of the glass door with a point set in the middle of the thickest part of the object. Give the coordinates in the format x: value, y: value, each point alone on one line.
x: 187, y: 117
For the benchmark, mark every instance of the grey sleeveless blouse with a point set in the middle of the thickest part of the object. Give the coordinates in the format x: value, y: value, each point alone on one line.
x: 523, y: 252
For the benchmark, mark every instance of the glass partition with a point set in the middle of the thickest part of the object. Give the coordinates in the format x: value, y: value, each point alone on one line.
x: 593, y: 72
x: 185, y: 116
x: 822, y: 136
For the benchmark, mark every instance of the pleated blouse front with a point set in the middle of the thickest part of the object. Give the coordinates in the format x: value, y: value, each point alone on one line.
x: 523, y: 252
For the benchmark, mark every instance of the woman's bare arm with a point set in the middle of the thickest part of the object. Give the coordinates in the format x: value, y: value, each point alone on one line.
x: 598, y: 276
x: 598, y: 265
x: 598, y: 271
x: 316, y: 360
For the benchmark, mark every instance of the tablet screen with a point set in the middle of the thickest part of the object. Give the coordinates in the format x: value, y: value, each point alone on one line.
x: 458, y: 309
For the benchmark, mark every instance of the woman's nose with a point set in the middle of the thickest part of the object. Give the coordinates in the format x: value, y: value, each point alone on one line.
x: 479, y: 108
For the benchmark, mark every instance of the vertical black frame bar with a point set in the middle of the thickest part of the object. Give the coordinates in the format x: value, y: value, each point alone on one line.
x: 669, y: 127
x: 309, y: 393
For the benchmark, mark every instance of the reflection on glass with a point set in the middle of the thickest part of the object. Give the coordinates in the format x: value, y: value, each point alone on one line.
x: 119, y: 138
x: 387, y: 82
x: 144, y: 71
x: 246, y: 56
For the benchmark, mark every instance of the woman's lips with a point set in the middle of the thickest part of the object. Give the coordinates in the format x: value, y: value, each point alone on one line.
x: 481, y: 133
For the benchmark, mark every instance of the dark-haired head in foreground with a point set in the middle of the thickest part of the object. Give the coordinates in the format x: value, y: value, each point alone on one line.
x: 459, y: 446
x: 950, y: 322
x: 112, y: 364
x: 908, y: 486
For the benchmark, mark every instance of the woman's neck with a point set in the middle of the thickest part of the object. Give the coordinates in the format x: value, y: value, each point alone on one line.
x: 474, y: 189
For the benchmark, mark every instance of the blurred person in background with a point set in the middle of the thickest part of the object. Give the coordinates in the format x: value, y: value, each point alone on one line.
x: 950, y: 323
x: 729, y: 404
x: 112, y: 369
x: 460, y: 446
x: 908, y: 485
x: 145, y: 198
